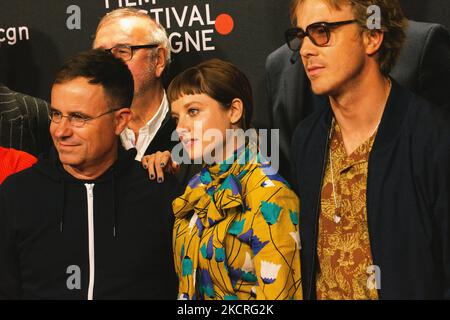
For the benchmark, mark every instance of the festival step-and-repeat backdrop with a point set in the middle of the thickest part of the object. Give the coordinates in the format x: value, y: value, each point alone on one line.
x: 36, y: 36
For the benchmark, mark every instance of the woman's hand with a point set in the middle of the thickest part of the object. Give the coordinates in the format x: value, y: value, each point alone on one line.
x: 159, y: 162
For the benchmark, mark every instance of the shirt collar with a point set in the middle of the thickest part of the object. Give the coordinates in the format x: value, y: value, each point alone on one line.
x: 359, y: 155
x: 158, y: 117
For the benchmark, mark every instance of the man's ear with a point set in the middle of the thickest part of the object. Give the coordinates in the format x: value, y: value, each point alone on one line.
x: 161, y: 61
x: 373, y: 40
x: 122, y: 118
x: 236, y: 111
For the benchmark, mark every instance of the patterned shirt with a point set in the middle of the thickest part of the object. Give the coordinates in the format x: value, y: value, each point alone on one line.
x: 344, y: 245
x: 236, y: 234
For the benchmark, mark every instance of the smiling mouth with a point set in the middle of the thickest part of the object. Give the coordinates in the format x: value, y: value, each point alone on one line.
x: 313, y: 71
x: 66, y: 146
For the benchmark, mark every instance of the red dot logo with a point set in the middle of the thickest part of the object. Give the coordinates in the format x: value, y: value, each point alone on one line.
x: 224, y: 24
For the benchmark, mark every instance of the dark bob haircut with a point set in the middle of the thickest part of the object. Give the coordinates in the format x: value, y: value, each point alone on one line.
x: 218, y: 79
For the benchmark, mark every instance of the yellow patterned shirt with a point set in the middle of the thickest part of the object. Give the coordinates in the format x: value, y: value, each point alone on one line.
x: 236, y: 234
x: 343, y: 244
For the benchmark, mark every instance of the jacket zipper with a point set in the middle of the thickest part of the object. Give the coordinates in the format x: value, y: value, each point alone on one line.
x: 316, y: 227
x: 90, y: 206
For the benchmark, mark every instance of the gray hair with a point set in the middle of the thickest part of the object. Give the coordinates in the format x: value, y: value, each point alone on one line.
x: 157, y: 32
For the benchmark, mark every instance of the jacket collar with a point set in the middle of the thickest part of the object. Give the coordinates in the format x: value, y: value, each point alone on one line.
x: 392, y: 120
x: 393, y: 117
x: 50, y: 165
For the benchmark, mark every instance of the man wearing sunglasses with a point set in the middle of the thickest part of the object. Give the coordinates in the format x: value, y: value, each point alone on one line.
x: 372, y: 165
x: 423, y: 66
x: 85, y: 222
x: 134, y: 37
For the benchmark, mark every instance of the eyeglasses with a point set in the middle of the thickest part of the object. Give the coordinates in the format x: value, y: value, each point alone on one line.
x: 125, y: 52
x: 75, y: 119
x: 318, y: 33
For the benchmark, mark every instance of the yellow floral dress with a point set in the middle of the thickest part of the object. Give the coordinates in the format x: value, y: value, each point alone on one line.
x: 236, y: 233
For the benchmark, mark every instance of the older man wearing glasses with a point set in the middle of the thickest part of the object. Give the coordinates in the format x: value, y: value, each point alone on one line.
x: 133, y: 36
x: 85, y: 222
x: 372, y: 165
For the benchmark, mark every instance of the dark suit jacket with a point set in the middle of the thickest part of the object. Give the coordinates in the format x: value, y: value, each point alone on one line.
x: 162, y: 140
x: 423, y: 67
x: 24, y: 122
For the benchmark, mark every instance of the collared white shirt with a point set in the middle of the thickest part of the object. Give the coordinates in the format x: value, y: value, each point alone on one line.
x: 147, y: 132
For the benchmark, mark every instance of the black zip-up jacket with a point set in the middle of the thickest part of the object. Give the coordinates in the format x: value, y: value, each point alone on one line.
x: 63, y: 238
x: 408, y: 196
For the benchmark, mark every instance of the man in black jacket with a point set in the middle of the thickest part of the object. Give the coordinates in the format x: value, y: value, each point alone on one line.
x: 85, y: 222
x: 423, y: 66
x: 372, y: 167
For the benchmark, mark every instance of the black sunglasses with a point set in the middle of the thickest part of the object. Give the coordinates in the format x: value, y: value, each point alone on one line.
x: 318, y: 33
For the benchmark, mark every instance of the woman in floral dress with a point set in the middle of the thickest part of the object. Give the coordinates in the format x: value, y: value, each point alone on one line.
x: 236, y: 231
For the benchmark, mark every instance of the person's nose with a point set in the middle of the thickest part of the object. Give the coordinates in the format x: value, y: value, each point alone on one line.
x: 183, y: 126
x: 63, y: 128
x: 308, y: 48
x: 181, y: 131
